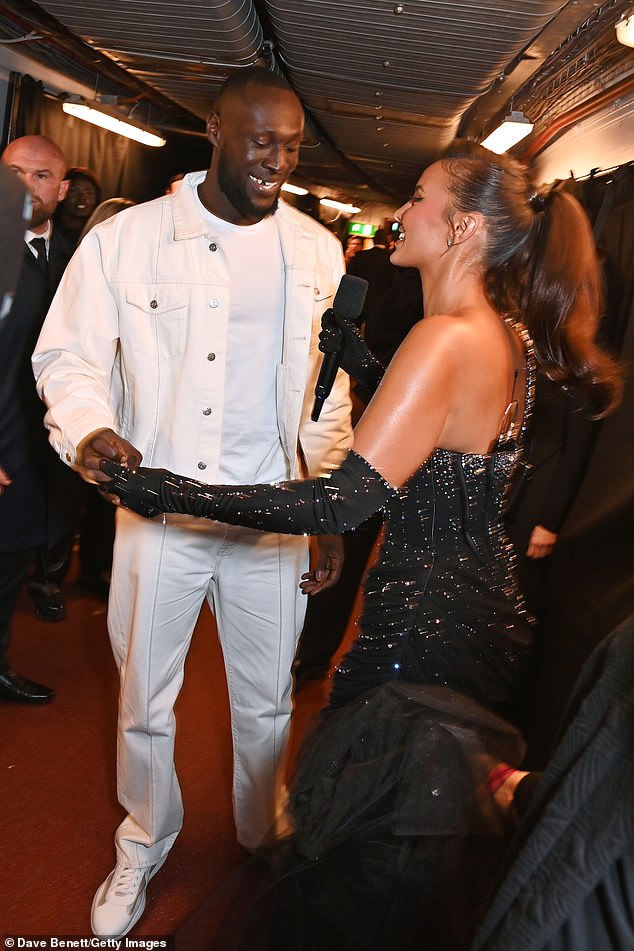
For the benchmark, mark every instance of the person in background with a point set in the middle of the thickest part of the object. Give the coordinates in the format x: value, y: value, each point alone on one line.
x: 354, y: 243
x: 105, y: 210
x: 391, y: 239
x: 394, y: 314
x: 559, y: 445
x: 52, y: 564
x: 174, y: 183
x: 36, y: 501
x: 83, y: 196
x: 186, y: 331
x: 373, y: 266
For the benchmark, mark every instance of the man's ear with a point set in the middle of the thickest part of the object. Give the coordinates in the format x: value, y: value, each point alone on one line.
x: 213, y: 127
x: 467, y: 226
x: 64, y: 185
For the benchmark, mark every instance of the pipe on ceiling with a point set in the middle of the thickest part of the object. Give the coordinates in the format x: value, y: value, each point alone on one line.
x: 568, y: 119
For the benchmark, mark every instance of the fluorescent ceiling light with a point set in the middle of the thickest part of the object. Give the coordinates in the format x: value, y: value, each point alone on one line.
x: 625, y: 29
x: 294, y: 189
x: 514, y: 128
x: 106, y: 120
x: 339, y: 205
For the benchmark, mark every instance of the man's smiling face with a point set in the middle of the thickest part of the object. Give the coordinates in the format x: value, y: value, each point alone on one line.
x: 257, y: 138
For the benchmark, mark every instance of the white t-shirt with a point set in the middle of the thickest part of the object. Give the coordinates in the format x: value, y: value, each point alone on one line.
x: 250, y: 448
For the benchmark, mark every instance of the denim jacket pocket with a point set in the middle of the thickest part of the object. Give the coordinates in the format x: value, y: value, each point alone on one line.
x: 158, y: 314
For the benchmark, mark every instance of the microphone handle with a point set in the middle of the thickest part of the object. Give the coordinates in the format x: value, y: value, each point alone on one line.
x: 325, y: 380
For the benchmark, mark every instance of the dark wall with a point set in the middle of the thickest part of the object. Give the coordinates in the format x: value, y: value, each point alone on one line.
x: 123, y: 167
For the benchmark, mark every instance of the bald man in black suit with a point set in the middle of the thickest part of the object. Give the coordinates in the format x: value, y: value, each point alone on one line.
x: 34, y: 500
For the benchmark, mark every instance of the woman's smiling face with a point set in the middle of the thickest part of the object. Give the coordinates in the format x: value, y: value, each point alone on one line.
x: 424, y: 226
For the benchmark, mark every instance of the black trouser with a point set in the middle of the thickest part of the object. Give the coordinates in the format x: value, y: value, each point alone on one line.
x: 51, y: 564
x: 14, y: 569
x: 96, y: 534
x: 328, y: 613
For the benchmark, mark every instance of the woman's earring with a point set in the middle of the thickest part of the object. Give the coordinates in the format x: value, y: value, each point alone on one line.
x: 449, y: 242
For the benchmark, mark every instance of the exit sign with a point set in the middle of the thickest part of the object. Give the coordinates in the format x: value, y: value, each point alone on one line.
x: 358, y: 227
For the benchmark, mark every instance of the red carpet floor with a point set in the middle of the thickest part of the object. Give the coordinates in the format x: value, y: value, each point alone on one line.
x: 59, y: 805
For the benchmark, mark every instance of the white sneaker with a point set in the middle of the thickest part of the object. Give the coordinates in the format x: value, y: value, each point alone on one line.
x: 120, y: 900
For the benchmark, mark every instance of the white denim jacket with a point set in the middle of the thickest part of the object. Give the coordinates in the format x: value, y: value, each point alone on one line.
x: 128, y: 343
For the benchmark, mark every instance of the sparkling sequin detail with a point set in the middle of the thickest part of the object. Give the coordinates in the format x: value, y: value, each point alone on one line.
x: 326, y: 505
x: 442, y: 604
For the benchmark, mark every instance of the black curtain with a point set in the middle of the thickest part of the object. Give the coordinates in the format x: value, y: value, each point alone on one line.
x: 591, y: 580
x: 124, y: 168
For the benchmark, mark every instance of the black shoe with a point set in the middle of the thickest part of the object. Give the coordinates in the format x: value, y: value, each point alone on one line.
x: 18, y: 690
x: 47, y: 598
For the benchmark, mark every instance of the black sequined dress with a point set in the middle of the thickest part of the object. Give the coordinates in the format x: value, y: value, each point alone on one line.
x: 442, y: 604
x: 396, y: 839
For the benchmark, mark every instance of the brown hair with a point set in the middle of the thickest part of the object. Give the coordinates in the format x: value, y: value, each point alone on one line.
x: 107, y: 208
x: 540, y: 264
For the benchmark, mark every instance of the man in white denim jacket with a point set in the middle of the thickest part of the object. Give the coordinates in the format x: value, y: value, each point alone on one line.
x: 185, y: 333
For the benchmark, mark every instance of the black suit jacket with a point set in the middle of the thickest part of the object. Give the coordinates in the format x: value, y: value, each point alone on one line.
x: 36, y: 508
x: 559, y: 441
x: 373, y: 266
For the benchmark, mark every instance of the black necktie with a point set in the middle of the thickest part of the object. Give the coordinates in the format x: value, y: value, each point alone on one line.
x: 40, y: 246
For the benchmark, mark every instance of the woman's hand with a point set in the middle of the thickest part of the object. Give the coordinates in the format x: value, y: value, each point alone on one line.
x: 141, y: 489
x: 341, y: 336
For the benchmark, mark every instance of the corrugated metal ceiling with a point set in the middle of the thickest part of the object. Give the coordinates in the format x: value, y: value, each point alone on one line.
x: 385, y: 84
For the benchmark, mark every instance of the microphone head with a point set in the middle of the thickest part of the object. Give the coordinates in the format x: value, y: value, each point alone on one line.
x: 350, y: 297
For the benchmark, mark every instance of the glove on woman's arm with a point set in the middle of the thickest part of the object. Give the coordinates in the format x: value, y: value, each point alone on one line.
x: 323, y: 506
x: 342, y: 337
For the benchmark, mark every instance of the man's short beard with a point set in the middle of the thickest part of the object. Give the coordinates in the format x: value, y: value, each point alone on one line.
x: 39, y: 216
x: 233, y: 189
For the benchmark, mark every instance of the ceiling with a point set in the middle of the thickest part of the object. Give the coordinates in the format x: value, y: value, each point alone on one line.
x: 386, y: 85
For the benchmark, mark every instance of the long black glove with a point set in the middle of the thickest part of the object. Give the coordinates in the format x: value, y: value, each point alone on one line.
x: 341, y: 336
x: 323, y: 506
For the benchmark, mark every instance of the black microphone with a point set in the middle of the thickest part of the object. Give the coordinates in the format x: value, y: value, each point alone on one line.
x: 348, y: 304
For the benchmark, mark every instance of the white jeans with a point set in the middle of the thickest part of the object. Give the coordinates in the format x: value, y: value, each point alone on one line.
x: 161, y: 574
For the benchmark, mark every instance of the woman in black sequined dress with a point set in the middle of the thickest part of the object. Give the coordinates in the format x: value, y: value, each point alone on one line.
x: 395, y: 836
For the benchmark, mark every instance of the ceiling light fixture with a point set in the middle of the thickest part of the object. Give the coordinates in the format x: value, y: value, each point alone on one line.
x: 105, y: 118
x: 339, y: 205
x: 512, y: 130
x: 294, y: 189
x: 625, y: 29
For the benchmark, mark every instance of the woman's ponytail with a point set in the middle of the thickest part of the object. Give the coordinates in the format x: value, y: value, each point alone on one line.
x: 539, y: 264
x: 562, y: 300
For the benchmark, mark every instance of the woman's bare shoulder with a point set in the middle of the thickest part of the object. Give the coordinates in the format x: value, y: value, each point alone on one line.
x: 406, y: 418
x: 440, y: 333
